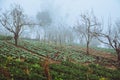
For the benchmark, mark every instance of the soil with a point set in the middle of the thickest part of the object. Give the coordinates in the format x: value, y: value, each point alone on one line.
x: 103, y: 58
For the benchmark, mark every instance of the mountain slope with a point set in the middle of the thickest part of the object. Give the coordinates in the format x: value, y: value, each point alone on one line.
x: 24, y: 63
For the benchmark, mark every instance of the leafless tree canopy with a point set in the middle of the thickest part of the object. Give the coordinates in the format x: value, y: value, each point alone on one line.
x: 86, y: 27
x: 13, y: 20
x: 111, y: 36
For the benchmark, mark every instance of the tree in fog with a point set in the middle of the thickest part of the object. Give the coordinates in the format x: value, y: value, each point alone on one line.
x: 86, y: 26
x: 111, y: 37
x: 60, y: 34
x: 45, y: 20
x: 13, y: 20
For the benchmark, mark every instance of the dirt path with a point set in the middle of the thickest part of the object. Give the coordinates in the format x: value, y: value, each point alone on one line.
x: 34, y: 53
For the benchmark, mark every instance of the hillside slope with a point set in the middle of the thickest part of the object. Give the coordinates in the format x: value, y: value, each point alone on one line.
x: 24, y: 62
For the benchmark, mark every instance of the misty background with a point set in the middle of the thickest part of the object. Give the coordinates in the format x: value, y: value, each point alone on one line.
x: 58, y: 17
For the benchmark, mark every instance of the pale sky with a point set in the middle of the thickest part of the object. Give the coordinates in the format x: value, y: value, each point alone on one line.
x: 67, y: 11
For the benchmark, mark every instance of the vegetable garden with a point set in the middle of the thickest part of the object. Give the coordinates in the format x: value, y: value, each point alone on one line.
x: 16, y: 63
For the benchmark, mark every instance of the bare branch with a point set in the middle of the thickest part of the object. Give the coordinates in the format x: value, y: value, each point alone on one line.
x: 87, y: 26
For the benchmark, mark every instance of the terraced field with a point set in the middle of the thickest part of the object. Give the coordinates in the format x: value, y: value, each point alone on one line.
x: 59, y: 53
x: 12, y: 51
x: 24, y: 62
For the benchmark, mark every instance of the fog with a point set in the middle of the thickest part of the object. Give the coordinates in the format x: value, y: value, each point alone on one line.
x: 67, y: 11
x: 63, y: 12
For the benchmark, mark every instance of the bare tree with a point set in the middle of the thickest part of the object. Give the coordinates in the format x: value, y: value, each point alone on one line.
x: 86, y: 26
x: 111, y: 37
x: 13, y: 20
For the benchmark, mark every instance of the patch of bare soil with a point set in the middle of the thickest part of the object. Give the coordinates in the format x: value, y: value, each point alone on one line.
x: 103, y: 54
x: 103, y: 58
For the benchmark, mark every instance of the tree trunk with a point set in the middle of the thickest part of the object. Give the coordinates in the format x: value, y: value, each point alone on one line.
x: 16, y: 39
x: 118, y: 55
x: 118, y: 58
x: 87, y: 51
